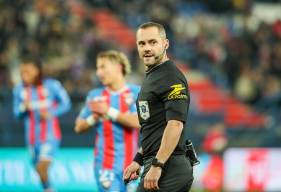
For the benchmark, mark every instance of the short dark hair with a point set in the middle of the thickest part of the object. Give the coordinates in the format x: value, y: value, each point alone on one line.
x: 35, y: 61
x: 160, y: 28
x: 31, y: 60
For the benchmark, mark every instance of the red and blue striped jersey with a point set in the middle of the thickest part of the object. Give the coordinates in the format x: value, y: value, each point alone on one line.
x: 115, y: 145
x: 49, y: 96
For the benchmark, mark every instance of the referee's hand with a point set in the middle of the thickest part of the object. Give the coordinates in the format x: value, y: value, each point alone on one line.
x: 152, y: 177
x: 131, y: 172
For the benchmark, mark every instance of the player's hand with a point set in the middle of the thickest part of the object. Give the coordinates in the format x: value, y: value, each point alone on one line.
x: 45, y: 115
x: 152, y: 177
x: 27, y: 105
x: 81, y: 125
x: 99, y: 107
x: 131, y: 172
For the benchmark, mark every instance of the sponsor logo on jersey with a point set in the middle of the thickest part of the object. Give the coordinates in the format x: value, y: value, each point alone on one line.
x: 176, y: 92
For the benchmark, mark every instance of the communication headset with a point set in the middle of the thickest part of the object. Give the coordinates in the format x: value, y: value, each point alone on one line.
x: 161, y: 55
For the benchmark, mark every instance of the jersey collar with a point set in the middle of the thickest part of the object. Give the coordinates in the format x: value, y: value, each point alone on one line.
x: 122, y: 90
x: 155, y: 67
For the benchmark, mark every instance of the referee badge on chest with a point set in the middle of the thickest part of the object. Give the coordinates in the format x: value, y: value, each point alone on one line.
x: 144, y: 110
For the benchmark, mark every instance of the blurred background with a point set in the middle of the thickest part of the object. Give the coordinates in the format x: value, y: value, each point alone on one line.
x: 229, y: 50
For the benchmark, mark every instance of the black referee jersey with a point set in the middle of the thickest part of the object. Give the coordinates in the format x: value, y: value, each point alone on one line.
x: 163, y: 96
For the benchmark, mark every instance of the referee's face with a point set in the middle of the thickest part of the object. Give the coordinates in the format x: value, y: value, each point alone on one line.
x: 151, y: 46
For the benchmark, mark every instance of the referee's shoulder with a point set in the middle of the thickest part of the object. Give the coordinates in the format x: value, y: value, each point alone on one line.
x: 173, y: 71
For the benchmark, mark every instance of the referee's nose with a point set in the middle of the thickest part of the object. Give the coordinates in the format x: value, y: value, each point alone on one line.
x: 147, y: 50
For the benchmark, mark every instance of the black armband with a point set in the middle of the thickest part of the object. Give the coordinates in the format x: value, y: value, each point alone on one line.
x: 138, y: 158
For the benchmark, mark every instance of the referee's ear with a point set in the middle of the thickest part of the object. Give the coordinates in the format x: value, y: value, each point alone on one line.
x: 167, y: 43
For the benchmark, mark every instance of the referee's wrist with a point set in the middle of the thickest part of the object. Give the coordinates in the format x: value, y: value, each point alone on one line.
x: 138, y: 158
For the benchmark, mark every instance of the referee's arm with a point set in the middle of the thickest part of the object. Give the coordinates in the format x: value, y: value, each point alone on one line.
x: 169, y: 140
x: 176, y: 101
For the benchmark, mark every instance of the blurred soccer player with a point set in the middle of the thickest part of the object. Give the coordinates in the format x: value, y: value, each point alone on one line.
x: 111, y: 109
x: 39, y: 101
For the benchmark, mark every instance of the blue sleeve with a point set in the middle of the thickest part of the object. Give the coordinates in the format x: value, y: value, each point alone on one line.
x: 62, y: 98
x: 17, y: 103
x: 85, y: 111
x: 135, y: 92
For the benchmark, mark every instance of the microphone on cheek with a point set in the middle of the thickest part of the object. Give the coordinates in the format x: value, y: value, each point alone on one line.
x: 160, y: 56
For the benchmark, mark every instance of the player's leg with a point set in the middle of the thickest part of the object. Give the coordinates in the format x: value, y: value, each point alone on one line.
x: 97, y: 178
x: 34, y: 152
x: 47, y: 152
x: 40, y: 165
x: 42, y: 170
x: 117, y: 183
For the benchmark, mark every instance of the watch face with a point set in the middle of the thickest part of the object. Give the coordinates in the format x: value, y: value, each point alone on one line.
x: 156, y: 163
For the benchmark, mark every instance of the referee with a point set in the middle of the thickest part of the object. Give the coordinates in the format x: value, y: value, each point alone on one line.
x: 162, y: 106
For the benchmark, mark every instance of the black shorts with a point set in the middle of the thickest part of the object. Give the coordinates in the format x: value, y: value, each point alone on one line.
x: 177, y: 175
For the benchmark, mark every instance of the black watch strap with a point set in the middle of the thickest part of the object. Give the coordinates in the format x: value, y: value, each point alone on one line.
x: 157, y: 163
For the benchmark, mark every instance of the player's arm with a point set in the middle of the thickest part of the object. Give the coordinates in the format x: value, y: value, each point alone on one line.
x: 127, y: 119
x: 130, y: 119
x: 63, y: 100
x: 86, y: 118
x: 20, y: 108
x: 82, y: 125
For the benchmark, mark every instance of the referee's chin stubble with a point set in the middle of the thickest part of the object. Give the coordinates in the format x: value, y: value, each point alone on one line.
x: 158, y: 59
x: 148, y: 61
x: 152, y: 60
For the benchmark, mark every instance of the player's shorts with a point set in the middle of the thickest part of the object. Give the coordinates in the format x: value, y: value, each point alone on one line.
x: 44, y: 151
x: 109, y: 181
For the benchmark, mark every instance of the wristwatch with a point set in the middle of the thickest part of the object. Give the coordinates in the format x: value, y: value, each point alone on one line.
x: 157, y: 163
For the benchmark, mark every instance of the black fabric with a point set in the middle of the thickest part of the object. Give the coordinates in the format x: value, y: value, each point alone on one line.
x: 164, y: 96
x: 138, y: 158
x: 177, y: 175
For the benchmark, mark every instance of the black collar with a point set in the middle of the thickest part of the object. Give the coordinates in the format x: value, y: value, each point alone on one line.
x: 154, y: 67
